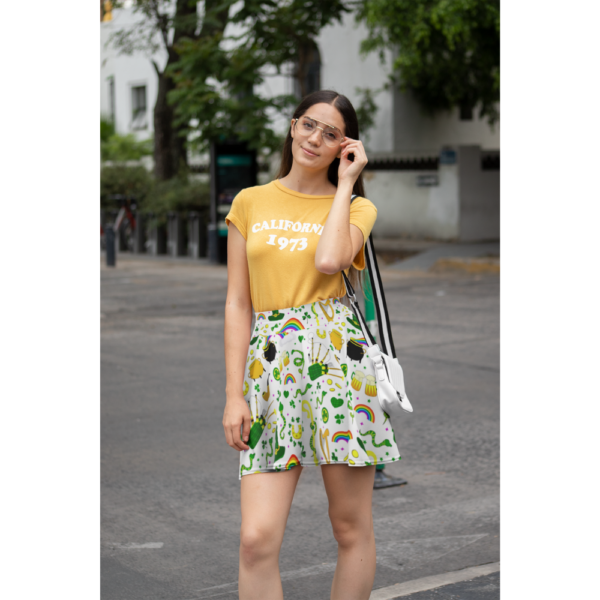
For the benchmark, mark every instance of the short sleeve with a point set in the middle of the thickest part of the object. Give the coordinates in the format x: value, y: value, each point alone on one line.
x: 237, y: 214
x: 363, y: 214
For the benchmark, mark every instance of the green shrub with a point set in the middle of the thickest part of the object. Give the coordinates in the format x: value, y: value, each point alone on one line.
x: 177, y: 194
x: 128, y: 181
x: 121, y: 148
x: 107, y: 128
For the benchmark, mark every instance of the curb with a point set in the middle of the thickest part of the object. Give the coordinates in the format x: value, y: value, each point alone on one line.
x: 467, y: 265
x: 435, y: 581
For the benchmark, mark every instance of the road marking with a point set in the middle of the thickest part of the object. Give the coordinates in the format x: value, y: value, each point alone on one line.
x: 435, y: 581
x: 399, y: 553
x: 132, y: 546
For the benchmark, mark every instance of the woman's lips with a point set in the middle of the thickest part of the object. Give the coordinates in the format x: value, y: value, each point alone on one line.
x: 309, y: 153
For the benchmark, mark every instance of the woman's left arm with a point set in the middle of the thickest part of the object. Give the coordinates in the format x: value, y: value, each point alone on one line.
x: 340, y: 241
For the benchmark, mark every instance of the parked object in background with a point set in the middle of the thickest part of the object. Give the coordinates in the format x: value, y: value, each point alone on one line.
x: 382, y: 480
x: 109, y: 236
x: 125, y: 224
x: 156, y: 244
x: 176, y: 243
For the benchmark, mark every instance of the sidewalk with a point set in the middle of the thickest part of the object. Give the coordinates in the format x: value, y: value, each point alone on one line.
x: 473, y: 583
x: 440, y: 256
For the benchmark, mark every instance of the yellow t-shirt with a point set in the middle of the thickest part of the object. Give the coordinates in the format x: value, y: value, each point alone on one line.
x: 282, y: 228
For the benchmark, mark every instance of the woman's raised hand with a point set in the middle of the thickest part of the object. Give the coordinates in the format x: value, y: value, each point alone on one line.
x: 237, y: 414
x: 352, y: 169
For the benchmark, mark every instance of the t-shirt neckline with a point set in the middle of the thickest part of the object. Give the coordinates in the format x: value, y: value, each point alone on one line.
x: 286, y: 190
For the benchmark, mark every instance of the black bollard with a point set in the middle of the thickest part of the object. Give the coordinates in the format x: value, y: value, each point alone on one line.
x: 213, y: 243
x: 109, y: 237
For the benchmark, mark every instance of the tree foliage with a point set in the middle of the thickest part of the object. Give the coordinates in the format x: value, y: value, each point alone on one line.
x: 217, y: 76
x: 447, y: 52
x: 162, y: 25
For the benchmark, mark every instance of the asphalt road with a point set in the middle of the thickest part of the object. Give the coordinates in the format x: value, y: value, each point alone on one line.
x: 170, y: 488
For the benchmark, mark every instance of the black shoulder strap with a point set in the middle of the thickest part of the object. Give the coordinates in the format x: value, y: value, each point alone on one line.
x: 385, y: 342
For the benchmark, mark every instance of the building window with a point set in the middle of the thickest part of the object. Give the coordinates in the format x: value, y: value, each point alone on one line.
x: 139, y: 118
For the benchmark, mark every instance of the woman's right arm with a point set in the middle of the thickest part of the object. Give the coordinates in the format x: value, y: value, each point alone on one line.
x: 238, y: 320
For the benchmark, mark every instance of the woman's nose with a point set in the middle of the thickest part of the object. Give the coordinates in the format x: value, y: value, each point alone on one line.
x: 315, y: 137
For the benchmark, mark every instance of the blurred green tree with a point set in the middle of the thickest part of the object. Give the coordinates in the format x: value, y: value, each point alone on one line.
x: 446, y: 52
x: 216, y: 76
x: 164, y: 24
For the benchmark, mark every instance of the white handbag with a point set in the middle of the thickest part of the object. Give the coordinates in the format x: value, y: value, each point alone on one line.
x: 389, y: 375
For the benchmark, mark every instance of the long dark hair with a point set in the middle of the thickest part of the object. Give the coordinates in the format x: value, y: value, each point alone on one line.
x: 344, y: 106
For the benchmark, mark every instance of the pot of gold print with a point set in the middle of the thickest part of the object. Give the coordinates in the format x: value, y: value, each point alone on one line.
x: 336, y: 339
x: 357, y: 380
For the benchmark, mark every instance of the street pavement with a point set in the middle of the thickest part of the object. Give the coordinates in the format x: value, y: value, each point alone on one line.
x: 170, y: 489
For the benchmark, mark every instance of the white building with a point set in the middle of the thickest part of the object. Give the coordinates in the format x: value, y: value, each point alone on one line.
x: 129, y: 84
x: 459, y: 200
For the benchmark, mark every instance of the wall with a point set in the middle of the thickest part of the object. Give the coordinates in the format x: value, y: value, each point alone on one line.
x: 415, y: 133
x: 479, y: 193
x: 403, y: 209
x: 465, y: 206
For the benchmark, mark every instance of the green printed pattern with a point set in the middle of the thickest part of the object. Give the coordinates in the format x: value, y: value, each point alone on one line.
x: 313, y: 393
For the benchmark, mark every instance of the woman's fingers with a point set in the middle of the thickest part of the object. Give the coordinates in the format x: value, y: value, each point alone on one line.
x: 246, y: 424
x: 237, y: 438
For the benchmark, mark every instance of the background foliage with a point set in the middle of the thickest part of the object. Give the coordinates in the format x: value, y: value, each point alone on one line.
x: 152, y: 195
x: 446, y: 52
x: 124, y: 180
x: 216, y: 76
x: 121, y: 148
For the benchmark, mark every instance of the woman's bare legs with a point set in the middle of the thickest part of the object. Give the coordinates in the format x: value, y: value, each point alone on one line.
x: 349, y: 490
x: 266, y: 499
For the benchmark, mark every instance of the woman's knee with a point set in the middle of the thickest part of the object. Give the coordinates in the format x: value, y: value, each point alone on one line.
x: 349, y: 530
x: 257, y: 544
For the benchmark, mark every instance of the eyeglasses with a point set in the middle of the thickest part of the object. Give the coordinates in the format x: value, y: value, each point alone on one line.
x: 331, y: 135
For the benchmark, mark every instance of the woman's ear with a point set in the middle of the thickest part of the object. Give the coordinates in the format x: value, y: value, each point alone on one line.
x: 292, y: 127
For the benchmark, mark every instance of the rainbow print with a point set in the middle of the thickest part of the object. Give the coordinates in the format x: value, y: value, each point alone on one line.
x: 292, y: 324
x: 360, y: 341
x: 260, y: 317
x: 365, y: 410
x: 289, y: 378
x: 345, y: 436
x: 293, y: 462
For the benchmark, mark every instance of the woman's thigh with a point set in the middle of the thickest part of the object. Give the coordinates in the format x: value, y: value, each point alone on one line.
x: 350, y: 492
x: 266, y: 499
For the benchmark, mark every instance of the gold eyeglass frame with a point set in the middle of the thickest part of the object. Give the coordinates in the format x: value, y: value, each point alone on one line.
x: 322, y: 130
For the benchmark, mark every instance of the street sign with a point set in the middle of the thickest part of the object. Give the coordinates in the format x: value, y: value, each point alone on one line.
x: 447, y: 156
x: 428, y: 180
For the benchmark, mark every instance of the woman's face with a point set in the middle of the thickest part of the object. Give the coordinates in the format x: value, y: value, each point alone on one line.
x: 311, y: 151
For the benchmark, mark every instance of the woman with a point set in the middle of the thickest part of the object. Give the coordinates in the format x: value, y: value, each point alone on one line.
x: 299, y: 389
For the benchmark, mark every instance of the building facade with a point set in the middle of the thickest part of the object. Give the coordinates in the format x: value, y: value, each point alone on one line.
x: 429, y: 177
